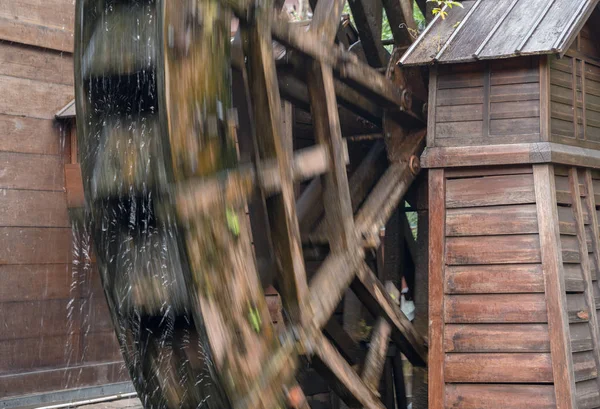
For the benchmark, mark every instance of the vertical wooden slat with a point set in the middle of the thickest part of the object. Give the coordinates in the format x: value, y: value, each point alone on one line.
x: 273, y: 142
x: 587, y: 274
x: 437, y: 220
x: 486, y: 100
x: 574, y: 85
x: 556, y: 297
x: 583, y: 104
x: 545, y: 98
x: 433, y: 85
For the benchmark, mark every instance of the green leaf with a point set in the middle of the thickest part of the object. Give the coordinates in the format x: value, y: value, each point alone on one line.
x: 254, y: 318
x: 233, y: 222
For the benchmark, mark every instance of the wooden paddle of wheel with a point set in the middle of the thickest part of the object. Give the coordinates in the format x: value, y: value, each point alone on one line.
x: 165, y: 198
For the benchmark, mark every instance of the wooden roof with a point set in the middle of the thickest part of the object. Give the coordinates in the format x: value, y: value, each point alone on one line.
x: 490, y: 29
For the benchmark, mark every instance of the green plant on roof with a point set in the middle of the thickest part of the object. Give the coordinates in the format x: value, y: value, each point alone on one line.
x: 441, y: 4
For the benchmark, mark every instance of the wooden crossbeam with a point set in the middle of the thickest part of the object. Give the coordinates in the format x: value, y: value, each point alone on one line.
x: 390, y: 189
x: 234, y: 186
x: 402, y: 23
x: 361, y: 181
x: 354, y: 389
x: 273, y: 142
x: 374, y: 296
x: 331, y: 282
x: 378, y: 347
x: 367, y: 17
x: 346, y: 65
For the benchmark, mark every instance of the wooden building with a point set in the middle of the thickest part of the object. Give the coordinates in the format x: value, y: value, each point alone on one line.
x: 514, y: 189
x: 56, y: 338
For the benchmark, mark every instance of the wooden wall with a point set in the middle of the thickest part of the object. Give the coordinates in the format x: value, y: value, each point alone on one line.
x: 485, y: 103
x: 55, y: 330
x: 577, y: 192
x: 515, y: 293
x: 575, y: 94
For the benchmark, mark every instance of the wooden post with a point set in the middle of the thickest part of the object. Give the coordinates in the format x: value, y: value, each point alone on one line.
x: 437, y: 222
x: 556, y: 297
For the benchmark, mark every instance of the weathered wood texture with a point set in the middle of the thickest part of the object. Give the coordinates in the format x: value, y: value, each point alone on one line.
x: 575, y: 93
x: 486, y: 103
x: 46, y: 24
x: 56, y: 330
x: 499, y: 335
x: 578, y: 221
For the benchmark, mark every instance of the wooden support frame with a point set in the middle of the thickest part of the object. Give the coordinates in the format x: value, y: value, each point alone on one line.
x: 437, y: 237
x: 552, y: 264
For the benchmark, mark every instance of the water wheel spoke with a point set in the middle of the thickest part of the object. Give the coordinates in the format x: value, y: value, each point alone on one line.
x: 274, y: 143
x: 234, y: 186
x: 377, y: 300
x: 342, y: 377
x: 379, y: 344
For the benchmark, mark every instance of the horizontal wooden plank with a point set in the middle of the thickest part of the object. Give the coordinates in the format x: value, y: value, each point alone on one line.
x: 30, y: 245
x: 512, y: 110
x: 500, y: 396
x: 62, y: 378
x: 54, y: 13
x: 459, y: 113
x: 33, y: 209
x: 460, y: 173
x: 577, y: 308
x: 515, y: 126
x: 588, y: 394
x: 451, y: 130
x: 496, y: 338
x: 515, y: 92
x: 36, y: 282
x: 584, y: 366
x: 31, y: 172
x: 24, y: 32
x: 23, y: 355
x: 36, y: 319
x: 490, y: 191
x: 459, y: 96
x: 460, y: 80
x: 33, y: 99
x: 514, y: 249
x: 494, y: 279
x: 491, y: 220
x: 33, y: 63
x: 498, y: 368
x: 581, y: 337
x: 573, y: 277
x: 100, y: 347
x: 495, y: 308
x: 29, y: 135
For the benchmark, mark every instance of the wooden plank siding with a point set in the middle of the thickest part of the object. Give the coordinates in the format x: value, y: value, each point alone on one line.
x: 497, y: 345
x: 487, y: 103
x: 56, y: 329
x: 575, y: 94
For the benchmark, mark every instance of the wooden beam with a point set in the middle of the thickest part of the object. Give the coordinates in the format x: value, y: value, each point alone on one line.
x: 374, y: 296
x: 402, y: 23
x: 235, y: 186
x: 556, y: 297
x: 366, y: 13
x: 274, y: 143
x: 390, y: 189
x: 437, y: 244
x: 378, y: 347
x: 331, y: 281
x: 584, y: 257
x: 350, y: 350
x: 347, y: 377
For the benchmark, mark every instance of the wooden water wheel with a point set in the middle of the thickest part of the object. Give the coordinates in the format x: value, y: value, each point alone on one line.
x: 167, y: 187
